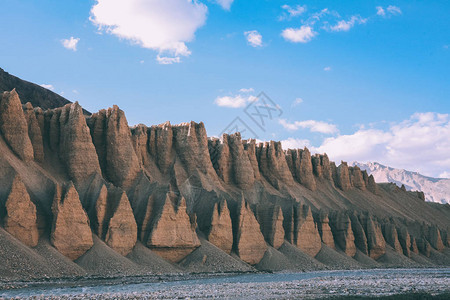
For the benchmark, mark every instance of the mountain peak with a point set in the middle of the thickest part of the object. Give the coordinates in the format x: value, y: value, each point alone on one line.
x: 435, y: 189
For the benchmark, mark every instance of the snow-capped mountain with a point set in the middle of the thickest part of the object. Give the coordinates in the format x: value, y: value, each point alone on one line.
x: 435, y: 189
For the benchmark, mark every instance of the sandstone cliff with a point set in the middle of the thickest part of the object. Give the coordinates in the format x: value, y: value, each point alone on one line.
x: 21, y: 219
x: 71, y: 234
x: 249, y: 241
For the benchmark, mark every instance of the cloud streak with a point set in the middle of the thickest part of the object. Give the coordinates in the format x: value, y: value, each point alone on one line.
x: 312, y: 125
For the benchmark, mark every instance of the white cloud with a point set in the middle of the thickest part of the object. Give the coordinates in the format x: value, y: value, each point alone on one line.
x: 326, y: 69
x: 162, y: 25
x: 254, y: 38
x: 420, y: 143
x: 294, y: 11
x: 165, y: 60
x: 312, y: 125
x: 299, y: 35
x: 380, y: 11
x: 226, y: 4
x: 48, y: 87
x: 231, y: 101
x: 297, y: 101
x: 293, y: 143
x: 75, y: 91
x: 70, y: 43
x: 395, y: 10
x: 244, y: 90
x: 388, y: 11
x: 347, y: 25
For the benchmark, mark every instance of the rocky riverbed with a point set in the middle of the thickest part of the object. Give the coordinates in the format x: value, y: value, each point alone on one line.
x: 308, y: 285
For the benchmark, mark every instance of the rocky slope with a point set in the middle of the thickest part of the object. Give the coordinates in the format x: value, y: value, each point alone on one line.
x: 109, y: 199
x: 435, y: 189
x: 30, y: 92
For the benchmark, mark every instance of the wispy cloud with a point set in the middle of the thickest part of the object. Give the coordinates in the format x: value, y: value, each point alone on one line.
x: 70, y: 43
x: 165, y: 60
x: 388, y: 11
x: 225, y: 4
x: 297, y: 101
x: 254, y: 38
x: 395, y: 10
x: 247, y: 90
x: 326, y: 69
x: 347, y: 25
x: 312, y: 125
x: 380, y: 11
x: 292, y: 11
x: 303, y: 34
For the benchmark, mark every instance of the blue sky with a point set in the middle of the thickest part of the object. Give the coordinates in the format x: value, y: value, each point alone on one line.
x: 360, y: 80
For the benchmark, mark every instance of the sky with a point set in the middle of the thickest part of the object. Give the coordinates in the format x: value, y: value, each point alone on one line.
x: 359, y: 80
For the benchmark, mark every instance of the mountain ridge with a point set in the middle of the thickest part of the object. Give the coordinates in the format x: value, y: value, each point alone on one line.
x: 435, y: 189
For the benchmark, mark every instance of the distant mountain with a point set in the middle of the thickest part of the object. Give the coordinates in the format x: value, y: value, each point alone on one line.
x: 30, y: 92
x: 435, y: 189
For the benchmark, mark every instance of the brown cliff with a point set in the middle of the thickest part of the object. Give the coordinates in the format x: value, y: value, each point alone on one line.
x: 299, y: 162
x: 21, y: 219
x: 221, y: 230
x: 306, y: 234
x: 172, y: 235
x: 14, y: 127
x: 342, y: 232
x: 249, y: 241
x: 70, y: 234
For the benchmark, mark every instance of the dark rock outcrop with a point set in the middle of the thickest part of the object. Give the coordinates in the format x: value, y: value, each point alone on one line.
x: 342, y: 231
x: 391, y: 236
x: 359, y: 234
x: 271, y: 219
x: 434, y: 237
x: 375, y: 240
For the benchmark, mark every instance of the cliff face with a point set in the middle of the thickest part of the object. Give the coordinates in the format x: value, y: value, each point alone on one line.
x: 156, y: 184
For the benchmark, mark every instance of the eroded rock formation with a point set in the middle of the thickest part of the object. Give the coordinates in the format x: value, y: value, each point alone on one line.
x: 173, y: 233
x: 249, y: 241
x: 221, y: 231
x: 271, y: 219
x: 306, y: 234
x: 299, y: 162
x: 71, y: 234
x: 325, y: 230
x: 14, y: 127
x: 21, y: 219
x: 342, y: 231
